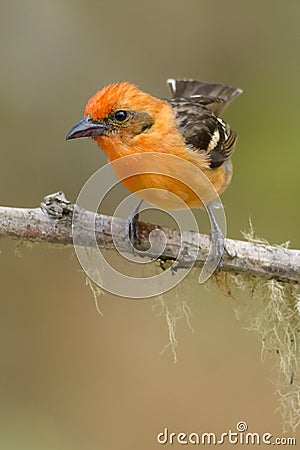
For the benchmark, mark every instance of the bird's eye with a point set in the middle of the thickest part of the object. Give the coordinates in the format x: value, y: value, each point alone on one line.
x: 121, y: 115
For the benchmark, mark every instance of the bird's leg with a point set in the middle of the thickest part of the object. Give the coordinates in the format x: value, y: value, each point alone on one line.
x: 218, y: 240
x: 132, y: 224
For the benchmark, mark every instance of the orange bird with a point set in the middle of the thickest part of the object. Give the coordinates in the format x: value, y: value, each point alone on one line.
x: 124, y: 121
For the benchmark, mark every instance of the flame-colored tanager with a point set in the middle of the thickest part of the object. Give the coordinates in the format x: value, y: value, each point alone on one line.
x: 123, y: 120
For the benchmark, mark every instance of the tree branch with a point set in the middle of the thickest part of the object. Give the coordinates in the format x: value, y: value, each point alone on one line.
x: 52, y: 223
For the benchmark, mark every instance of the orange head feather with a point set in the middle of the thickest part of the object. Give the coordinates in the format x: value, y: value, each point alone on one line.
x: 123, y: 95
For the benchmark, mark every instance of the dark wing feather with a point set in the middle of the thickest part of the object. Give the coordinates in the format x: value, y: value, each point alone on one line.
x: 196, y: 106
x: 217, y: 96
x: 202, y: 130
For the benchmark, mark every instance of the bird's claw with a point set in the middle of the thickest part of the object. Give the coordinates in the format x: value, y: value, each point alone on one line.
x: 230, y: 254
x: 132, y: 225
x: 218, y: 247
x: 132, y: 228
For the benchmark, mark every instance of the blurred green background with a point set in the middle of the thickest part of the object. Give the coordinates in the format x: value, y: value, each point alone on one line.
x: 71, y: 379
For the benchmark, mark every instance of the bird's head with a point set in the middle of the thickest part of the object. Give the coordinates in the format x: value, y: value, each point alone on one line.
x: 117, y: 114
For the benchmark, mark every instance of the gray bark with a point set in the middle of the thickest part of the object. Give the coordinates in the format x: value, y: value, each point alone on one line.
x: 52, y: 223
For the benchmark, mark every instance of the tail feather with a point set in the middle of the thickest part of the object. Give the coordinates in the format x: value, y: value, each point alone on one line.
x: 222, y: 94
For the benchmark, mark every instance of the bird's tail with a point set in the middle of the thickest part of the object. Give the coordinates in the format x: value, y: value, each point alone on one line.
x: 187, y: 88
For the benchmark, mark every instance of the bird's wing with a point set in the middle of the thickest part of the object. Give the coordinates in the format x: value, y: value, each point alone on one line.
x: 202, y: 130
x: 216, y: 96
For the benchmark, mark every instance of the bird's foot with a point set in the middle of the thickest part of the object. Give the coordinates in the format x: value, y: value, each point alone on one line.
x: 132, y: 226
x: 219, y: 247
x: 132, y: 229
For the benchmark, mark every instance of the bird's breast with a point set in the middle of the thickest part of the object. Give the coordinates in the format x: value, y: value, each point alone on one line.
x: 169, y: 181
x: 165, y: 173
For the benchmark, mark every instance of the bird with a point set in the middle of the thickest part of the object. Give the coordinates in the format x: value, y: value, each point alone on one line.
x: 169, y: 138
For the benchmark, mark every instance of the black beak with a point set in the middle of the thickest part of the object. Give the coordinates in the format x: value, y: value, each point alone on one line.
x: 86, y: 128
